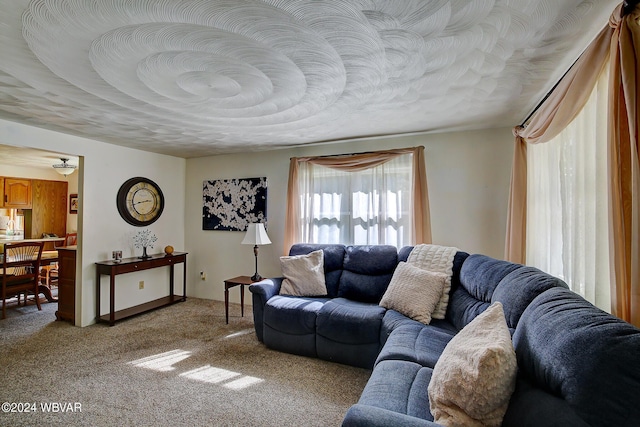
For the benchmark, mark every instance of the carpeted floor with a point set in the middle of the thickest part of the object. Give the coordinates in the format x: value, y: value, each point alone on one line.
x: 178, y: 366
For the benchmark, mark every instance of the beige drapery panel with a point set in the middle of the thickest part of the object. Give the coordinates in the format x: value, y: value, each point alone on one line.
x: 359, y: 162
x: 624, y: 171
x: 557, y: 111
x: 620, y: 40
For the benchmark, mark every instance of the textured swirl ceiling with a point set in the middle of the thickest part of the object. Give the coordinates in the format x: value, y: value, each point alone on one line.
x: 202, y: 77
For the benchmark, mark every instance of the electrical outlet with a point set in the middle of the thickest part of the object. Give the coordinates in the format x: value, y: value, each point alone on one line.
x: 203, y: 275
x: 141, y: 284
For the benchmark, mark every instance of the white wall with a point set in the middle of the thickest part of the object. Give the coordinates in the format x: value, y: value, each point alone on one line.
x: 103, y: 168
x: 468, y: 176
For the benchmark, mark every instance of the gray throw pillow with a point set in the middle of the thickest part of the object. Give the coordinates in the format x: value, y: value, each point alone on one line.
x: 303, y: 275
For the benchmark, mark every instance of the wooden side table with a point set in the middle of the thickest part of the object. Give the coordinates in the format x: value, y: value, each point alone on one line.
x: 230, y: 283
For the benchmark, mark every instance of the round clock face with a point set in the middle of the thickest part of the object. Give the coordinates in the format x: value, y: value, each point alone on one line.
x: 140, y: 201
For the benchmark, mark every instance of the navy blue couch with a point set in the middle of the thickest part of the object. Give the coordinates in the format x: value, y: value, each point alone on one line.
x: 577, y: 365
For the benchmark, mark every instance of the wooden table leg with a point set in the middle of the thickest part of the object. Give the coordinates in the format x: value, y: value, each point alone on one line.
x: 226, y: 302
x: 112, y: 300
x: 97, y: 294
x: 242, y: 300
x: 171, y: 283
x: 230, y: 283
x: 44, y: 289
x: 184, y: 280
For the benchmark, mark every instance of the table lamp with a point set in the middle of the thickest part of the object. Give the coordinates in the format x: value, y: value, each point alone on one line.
x: 256, y: 235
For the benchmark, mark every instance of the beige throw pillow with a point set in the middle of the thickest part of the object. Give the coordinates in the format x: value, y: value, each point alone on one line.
x: 303, y: 274
x: 475, y: 375
x: 414, y: 292
x: 438, y: 259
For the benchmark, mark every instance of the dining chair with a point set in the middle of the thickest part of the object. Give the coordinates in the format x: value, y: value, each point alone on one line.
x: 49, y: 273
x: 71, y: 239
x: 20, y: 271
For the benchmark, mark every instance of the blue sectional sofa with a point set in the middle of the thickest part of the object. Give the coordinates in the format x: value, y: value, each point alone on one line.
x: 577, y: 365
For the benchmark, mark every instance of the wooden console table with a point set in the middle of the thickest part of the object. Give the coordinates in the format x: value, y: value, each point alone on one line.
x: 129, y: 265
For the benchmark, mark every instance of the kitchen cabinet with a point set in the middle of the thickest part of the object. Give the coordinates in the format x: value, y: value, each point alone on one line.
x: 49, y: 211
x: 16, y: 193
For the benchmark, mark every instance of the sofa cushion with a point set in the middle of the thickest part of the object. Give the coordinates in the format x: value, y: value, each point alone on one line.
x: 416, y: 343
x: 289, y: 324
x: 458, y: 262
x: 414, y: 292
x: 393, y: 320
x: 333, y: 260
x: 399, y: 386
x: 367, y: 272
x: 533, y: 407
x: 293, y: 315
x: 303, y: 274
x: 475, y: 376
x: 479, y: 276
x: 372, y: 416
x: 404, y: 252
x: 349, y: 332
x: 577, y: 352
x: 518, y: 288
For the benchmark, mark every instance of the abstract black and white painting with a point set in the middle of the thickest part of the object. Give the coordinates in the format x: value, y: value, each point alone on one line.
x: 233, y: 204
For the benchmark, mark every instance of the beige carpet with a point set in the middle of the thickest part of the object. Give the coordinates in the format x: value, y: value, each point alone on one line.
x: 178, y: 366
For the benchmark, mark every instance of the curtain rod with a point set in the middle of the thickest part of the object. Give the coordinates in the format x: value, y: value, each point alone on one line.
x: 357, y: 154
x: 627, y: 7
x: 548, y: 94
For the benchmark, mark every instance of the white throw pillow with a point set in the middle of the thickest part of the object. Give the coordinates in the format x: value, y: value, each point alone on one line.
x: 438, y: 259
x: 475, y: 375
x: 303, y: 274
x: 414, y: 292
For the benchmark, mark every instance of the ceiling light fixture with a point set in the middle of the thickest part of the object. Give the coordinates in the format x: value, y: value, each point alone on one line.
x: 64, y: 168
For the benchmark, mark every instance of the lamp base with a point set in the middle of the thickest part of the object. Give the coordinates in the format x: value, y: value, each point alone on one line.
x: 256, y: 277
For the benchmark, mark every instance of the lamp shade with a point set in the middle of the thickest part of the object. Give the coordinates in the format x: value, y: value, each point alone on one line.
x: 256, y: 235
x: 64, y: 168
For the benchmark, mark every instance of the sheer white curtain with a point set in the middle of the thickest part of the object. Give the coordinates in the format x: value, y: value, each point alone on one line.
x: 367, y: 207
x: 567, y: 211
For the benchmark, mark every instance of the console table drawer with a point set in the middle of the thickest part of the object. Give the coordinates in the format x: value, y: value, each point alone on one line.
x: 139, y: 265
x: 169, y: 260
x: 128, y: 268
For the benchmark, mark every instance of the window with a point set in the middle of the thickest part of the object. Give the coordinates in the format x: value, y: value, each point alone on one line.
x: 567, y: 203
x: 370, y: 206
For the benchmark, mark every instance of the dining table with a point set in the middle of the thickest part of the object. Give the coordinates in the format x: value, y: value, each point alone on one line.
x: 14, y: 238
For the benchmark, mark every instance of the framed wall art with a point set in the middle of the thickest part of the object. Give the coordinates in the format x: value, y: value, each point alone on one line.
x: 73, y: 203
x: 233, y: 204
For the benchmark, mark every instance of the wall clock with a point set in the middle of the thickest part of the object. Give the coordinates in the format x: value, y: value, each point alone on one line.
x: 140, y: 201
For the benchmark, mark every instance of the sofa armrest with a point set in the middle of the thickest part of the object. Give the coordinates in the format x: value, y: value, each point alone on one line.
x: 266, y: 288
x: 261, y: 292
x: 370, y: 416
